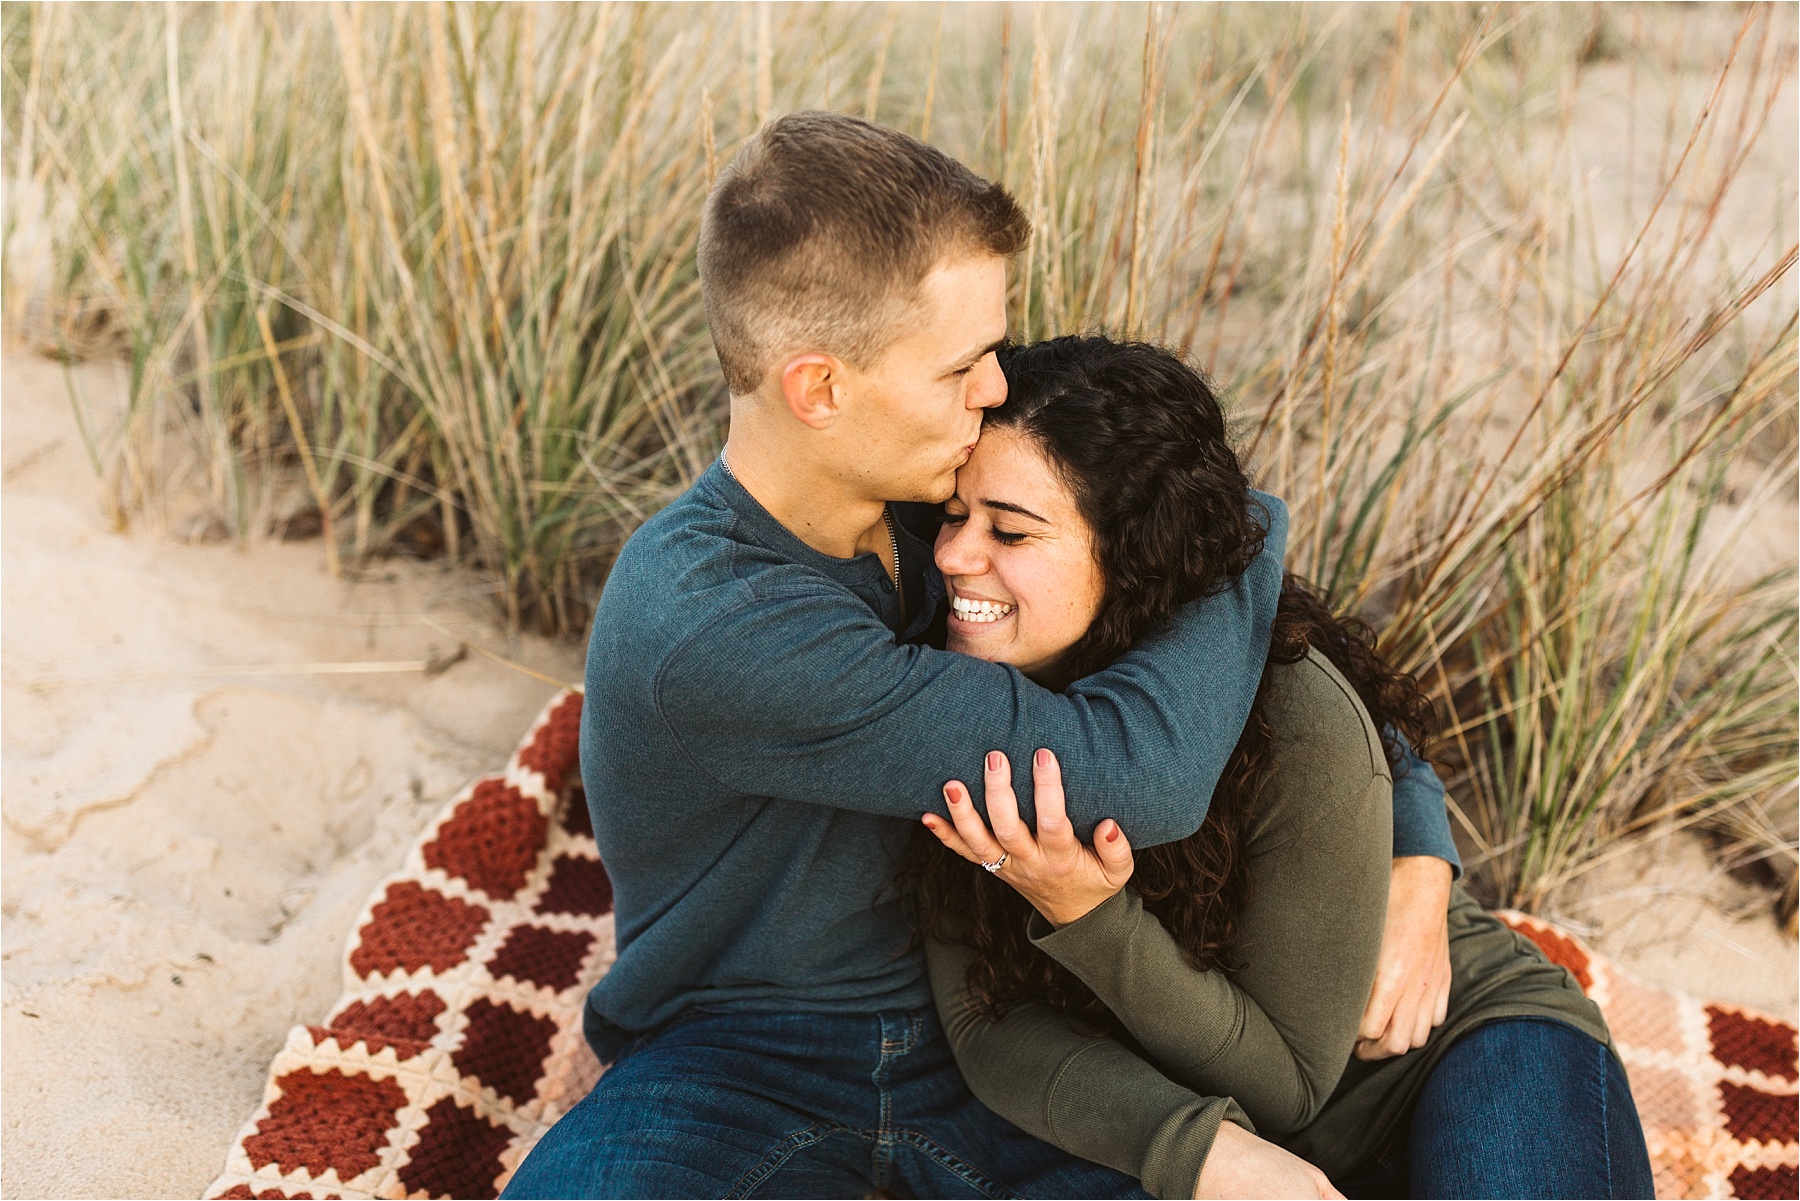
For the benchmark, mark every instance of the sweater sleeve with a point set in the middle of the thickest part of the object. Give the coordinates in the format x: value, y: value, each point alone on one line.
x: 1421, y: 816
x: 1085, y: 1093
x: 1278, y: 1035
x: 803, y: 694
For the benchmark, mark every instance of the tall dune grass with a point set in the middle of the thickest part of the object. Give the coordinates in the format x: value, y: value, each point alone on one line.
x: 1505, y: 298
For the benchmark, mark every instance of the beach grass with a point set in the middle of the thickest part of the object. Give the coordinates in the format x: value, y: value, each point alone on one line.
x: 1504, y: 299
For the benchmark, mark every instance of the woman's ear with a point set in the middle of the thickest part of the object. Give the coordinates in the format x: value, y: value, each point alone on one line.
x: 811, y: 385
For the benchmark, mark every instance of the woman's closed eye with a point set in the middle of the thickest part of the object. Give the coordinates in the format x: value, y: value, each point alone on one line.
x: 1003, y: 537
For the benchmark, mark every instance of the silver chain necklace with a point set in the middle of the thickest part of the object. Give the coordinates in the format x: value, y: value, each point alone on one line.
x: 887, y: 515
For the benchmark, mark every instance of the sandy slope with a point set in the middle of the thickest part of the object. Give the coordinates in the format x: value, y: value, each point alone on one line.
x: 183, y: 856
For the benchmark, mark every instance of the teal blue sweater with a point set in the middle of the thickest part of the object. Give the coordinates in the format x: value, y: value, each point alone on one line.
x: 763, y: 727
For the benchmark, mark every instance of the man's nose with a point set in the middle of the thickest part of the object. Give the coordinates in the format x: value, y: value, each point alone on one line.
x: 988, y: 388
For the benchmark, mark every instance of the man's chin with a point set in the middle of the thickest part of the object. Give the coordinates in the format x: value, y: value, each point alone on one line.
x: 931, y: 492
x: 942, y: 490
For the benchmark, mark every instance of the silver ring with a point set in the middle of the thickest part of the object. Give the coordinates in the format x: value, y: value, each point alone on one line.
x: 997, y: 864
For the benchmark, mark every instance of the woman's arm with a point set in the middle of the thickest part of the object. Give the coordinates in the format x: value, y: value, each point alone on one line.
x: 1092, y: 1097
x: 1277, y: 1036
x: 1084, y: 1093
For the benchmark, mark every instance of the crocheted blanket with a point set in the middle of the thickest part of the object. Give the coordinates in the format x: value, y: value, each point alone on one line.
x: 457, y: 1041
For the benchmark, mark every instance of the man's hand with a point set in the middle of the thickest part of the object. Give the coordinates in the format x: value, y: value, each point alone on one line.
x: 1062, y: 878
x: 1412, y: 983
x: 1242, y: 1165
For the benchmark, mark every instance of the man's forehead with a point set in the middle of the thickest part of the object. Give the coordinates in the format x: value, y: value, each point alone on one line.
x: 972, y: 280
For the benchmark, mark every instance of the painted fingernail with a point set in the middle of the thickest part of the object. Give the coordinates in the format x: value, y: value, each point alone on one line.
x: 1112, y: 835
x: 1043, y: 757
x: 993, y: 761
x: 950, y: 794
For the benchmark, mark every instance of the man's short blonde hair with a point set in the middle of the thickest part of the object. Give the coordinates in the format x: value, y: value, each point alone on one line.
x: 820, y: 230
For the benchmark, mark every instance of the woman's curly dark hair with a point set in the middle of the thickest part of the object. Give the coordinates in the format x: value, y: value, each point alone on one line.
x: 1139, y: 439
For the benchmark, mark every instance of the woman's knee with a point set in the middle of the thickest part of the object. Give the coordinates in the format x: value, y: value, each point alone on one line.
x: 1527, y: 1107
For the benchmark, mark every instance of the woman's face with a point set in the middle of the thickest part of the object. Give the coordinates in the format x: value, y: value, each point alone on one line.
x: 1017, y: 557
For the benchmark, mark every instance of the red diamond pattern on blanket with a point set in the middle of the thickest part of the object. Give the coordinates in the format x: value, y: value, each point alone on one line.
x: 408, y: 1017
x: 457, y: 1155
x: 553, y: 751
x: 326, y: 1121
x: 549, y: 958
x: 578, y: 886
x: 575, y: 816
x: 458, y: 1041
x: 1770, y: 1183
x: 1740, y: 1040
x: 369, y: 1044
x: 1753, y: 1116
x: 504, y: 1048
x: 414, y: 927
x: 492, y: 839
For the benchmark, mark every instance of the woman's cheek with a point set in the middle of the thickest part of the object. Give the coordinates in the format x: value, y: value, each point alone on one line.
x: 1057, y: 620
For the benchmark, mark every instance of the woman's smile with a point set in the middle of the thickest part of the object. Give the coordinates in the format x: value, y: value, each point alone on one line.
x: 977, y: 613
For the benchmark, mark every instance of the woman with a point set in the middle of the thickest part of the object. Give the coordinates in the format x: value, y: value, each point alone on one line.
x: 1150, y: 1027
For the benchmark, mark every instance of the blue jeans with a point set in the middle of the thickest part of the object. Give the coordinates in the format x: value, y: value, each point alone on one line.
x: 729, y: 1104
x: 1520, y: 1107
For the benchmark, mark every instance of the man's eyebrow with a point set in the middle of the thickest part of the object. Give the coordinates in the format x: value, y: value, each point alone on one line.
x: 1009, y: 507
x: 981, y: 354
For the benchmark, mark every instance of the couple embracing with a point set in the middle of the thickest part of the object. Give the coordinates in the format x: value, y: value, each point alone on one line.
x: 988, y: 813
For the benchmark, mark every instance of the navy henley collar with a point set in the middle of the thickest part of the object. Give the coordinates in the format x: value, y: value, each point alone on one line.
x: 864, y: 574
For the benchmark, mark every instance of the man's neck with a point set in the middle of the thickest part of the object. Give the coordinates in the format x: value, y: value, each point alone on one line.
x: 818, y: 508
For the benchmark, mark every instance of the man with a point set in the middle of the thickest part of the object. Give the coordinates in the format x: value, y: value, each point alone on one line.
x: 762, y: 723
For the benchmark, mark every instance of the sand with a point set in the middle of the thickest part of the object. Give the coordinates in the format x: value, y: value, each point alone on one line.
x: 183, y: 855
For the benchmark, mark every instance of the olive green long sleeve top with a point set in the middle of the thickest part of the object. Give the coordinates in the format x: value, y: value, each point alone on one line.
x: 1270, y: 1047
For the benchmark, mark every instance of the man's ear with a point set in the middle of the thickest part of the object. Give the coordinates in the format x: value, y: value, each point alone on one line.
x: 811, y: 384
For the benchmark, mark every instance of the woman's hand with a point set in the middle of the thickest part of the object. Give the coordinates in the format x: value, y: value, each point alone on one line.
x: 1060, y: 876
x: 1412, y: 981
x: 1242, y: 1165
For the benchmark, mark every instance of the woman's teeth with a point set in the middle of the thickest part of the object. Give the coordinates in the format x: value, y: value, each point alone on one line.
x: 980, y: 611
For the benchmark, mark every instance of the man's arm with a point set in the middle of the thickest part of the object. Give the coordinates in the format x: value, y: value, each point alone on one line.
x: 1411, y: 994
x: 806, y: 696
x: 1421, y: 818
x: 1412, y: 983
